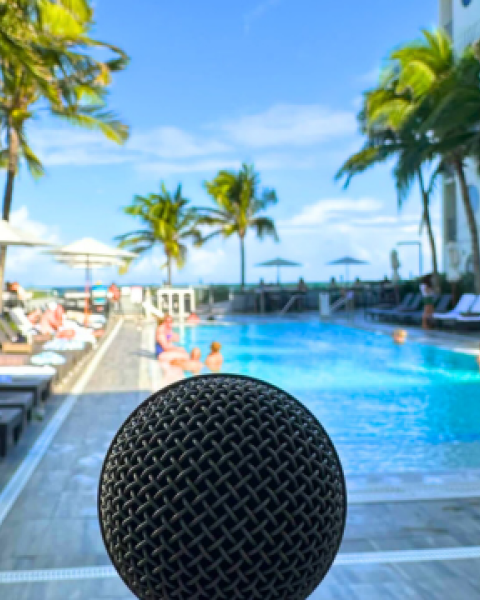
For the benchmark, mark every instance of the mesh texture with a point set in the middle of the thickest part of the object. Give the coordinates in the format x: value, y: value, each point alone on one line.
x: 222, y: 487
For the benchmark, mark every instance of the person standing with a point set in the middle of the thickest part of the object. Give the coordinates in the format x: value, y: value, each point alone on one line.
x: 116, y: 298
x: 427, y: 291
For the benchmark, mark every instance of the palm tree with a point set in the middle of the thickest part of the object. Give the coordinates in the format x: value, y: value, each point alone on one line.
x: 166, y: 220
x: 240, y: 205
x: 383, y: 121
x: 446, y: 96
x: 72, y: 86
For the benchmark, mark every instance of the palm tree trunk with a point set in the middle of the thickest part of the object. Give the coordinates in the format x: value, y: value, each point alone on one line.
x: 12, y: 141
x: 242, y: 260
x: 169, y: 270
x: 472, y: 225
x: 428, y: 223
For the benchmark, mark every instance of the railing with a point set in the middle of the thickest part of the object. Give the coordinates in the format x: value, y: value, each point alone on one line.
x: 341, y: 302
x: 289, y: 304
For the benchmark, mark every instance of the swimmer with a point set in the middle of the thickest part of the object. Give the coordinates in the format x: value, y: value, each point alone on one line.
x: 214, y: 360
x: 399, y: 336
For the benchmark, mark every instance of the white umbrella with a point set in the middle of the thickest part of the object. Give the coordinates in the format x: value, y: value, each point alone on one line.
x: 11, y: 236
x: 88, y: 248
x: 88, y: 253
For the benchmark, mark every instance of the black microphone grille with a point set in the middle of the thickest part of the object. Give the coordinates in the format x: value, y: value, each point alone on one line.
x: 222, y: 487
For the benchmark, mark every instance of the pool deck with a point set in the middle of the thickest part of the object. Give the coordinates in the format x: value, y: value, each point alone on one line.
x: 407, y: 536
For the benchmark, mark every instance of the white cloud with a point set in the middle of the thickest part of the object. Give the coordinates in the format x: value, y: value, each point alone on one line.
x: 171, y: 142
x: 163, y: 168
x: 22, y: 259
x: 330, y: 210
x: 204, y: 262
x: 169, y: 149
x: 297, y: 125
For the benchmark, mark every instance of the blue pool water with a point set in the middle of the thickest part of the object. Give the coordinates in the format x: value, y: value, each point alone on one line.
x: 387, y: 408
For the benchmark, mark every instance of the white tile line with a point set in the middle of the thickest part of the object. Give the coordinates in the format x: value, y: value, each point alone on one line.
x: 57, y: 575
x: 17, y: 483
x: 406, y: 556
x: 343, y: 559
x: 414, y: 493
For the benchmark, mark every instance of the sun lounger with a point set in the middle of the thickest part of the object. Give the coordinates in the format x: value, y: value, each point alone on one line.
x: 464, y: 305
x: 11, y: 426
x: 39, y: 386
x: 20, y: 319
x: 377, y: 312
x: 441, y: 306
x: 392, y: 315
x: 472, y: 317
x: 398, y: 313
x: 22, y: 400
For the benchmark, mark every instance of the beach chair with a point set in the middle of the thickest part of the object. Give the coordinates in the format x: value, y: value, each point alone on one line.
x: 442, y: 304
x: 24, y: 326
x: 397, y: 314
x: 464, y: 305
x: 470, y: 319
x: 376, y: 312
x: 392, y: 314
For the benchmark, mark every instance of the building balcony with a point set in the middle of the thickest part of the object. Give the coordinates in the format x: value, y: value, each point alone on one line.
x: 467, y: 36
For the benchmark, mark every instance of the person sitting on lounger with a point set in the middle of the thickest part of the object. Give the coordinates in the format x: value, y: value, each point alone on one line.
x: 399, y: 336
x: 214, y: 360
x: 192, y: 364
x: 165, y: 350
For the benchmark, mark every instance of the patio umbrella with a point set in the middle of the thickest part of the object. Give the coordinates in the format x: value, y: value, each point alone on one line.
x: 279, y: 262
x: 347, y: 261
x: 88, y: 253
x: 11, y: 236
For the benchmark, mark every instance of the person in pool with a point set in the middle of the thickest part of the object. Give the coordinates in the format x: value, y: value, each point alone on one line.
x: 171, y: 335
x: 192, y: 364
x: 214, y: 360
x: 399, y: 336
x: 165, y: 350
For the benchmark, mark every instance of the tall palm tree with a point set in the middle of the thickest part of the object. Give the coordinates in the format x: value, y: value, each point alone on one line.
x: 239, y: 207
x: 446, y: 97
x: 65, y: 81
x: 166, y: 220
x: 382, y: 121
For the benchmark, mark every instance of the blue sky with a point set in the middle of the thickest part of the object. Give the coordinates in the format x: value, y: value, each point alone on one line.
x: 213, y: 84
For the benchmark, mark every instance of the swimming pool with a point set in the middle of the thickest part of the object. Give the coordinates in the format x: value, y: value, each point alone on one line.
x: 387, y: 408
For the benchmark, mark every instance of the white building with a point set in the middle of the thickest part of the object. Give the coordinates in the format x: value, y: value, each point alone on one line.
x: 461, y: 18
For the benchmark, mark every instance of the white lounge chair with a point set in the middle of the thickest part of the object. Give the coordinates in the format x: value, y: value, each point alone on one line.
x: 474, y: 317
x: 464, y: 305
x: 20, y: 319
x: 28, y: 370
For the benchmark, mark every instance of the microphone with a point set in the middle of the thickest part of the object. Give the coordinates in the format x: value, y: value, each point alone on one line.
x: 222, y: 487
